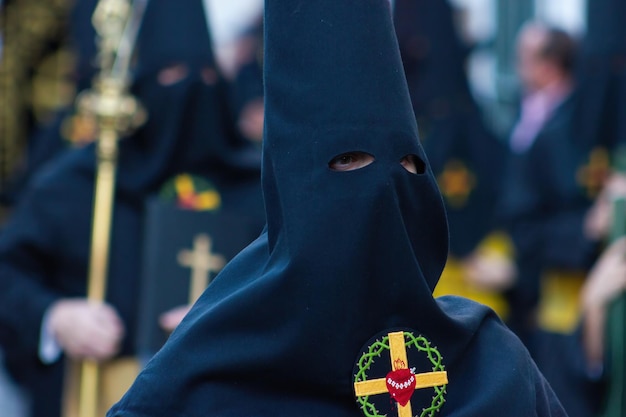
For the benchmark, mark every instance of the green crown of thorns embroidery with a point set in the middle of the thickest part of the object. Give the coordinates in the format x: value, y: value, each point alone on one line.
x: 375, y: 350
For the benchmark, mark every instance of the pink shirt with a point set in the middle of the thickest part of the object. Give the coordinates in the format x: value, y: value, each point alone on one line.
x: 537, y: 108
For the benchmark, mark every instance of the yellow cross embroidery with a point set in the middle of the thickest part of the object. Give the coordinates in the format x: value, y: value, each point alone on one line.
x: 80, y: 129
x: 456, y: 183
x: 593, y: 175
x: 205, y: 200
x: 397, y: 351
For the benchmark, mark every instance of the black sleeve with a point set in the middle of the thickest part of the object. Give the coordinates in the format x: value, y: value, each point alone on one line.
x: 27, y: 257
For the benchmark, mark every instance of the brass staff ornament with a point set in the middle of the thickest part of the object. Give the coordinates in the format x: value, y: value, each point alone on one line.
x: 117, y: 113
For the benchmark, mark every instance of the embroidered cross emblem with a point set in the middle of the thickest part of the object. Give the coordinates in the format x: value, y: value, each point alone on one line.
x: 401, y: 382
x: 456, y: 183
x: 202, y: 262
x: 80, y: 129
x: 191, y: 198
x: 593, y: 175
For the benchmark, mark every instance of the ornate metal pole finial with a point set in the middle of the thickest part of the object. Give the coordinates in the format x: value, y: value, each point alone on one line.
x: 116, y: 113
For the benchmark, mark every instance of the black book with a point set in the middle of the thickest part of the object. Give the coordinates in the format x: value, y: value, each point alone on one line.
x: 184, y: 251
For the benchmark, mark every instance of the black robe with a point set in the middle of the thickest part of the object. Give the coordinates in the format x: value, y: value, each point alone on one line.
x: 44, y: 247
x: 452, y: 127
x: 544, y: 206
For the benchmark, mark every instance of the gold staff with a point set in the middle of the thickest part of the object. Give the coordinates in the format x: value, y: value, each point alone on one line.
x: 116, y: 113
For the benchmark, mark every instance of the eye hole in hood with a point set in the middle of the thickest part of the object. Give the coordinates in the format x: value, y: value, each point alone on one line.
x: 350, y: 161
x: 413, y: 164
x: 353, y: 160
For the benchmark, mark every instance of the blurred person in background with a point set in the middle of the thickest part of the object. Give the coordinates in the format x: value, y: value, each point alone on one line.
x: 193, y: 114
x: 553, y: 178
x: 466, y: 157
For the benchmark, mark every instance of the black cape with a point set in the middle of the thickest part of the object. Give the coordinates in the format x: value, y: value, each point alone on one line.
x: 44, y: 247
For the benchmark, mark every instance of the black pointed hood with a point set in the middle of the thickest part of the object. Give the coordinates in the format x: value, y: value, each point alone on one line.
x: 190, y: 124
x: 170, y: 35
x: 335, y: 84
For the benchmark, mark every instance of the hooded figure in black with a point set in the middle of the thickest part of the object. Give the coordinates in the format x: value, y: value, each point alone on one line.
x: 44, y: 248
x: 355, y: 242
x: 451, y: 126
x: 602, y: 74
x: 466, y: 158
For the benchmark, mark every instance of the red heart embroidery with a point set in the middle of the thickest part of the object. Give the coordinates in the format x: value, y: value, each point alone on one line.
x: 401, y: 385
